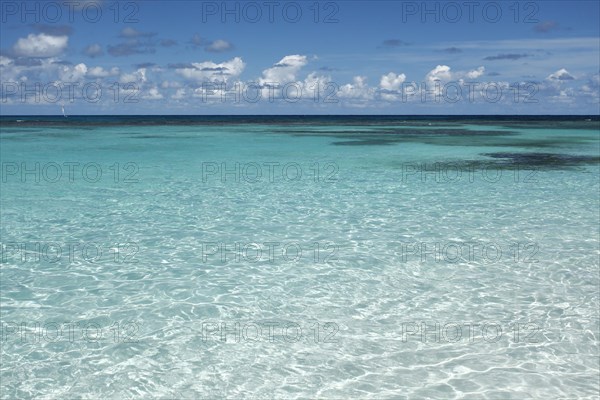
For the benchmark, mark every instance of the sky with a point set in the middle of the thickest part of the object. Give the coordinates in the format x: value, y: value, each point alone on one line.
x: 299, y: 57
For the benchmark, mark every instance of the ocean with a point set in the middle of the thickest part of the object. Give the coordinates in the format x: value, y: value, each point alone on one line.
x: 295, y: 257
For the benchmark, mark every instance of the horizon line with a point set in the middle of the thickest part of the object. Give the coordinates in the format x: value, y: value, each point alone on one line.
x: 299, y: 115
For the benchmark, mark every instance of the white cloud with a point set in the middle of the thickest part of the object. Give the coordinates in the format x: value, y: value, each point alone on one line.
x: 440, y: 76
x: 137, y: 76
x: 476, y: 73
x: 75, y: 73
x: 392, y: 81
x: 316, y: 88
x: 211, y: 93
x: 439, y: 73
x: 358, y: 89
x: 99, y: 72
x: 443, y: 73
x: 153, y: 94
x: 40, y: 45
x: 565, y: 96
x: 284, y: 71
x: 436, y: 78
x: 5, y: 61
x: 210, y: 71
x: 592, y: 87
x: 561, y: 75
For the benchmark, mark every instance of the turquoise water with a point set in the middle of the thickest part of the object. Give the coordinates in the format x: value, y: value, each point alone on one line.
x: 299, y: 258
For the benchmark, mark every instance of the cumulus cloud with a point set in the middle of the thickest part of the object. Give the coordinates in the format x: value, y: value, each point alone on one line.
x: 210, y: 71
x: 41, y: 45
x: 99, y: 72
x: 592, y: 88
x: 5, y: 61
x: 443, y: 73
x: 357, y: 90
x: 75, y: 73
x: 561, y: 75
x: 392, y: 81
x: 439, y: 73
x: 138, y: 76
x: 317, y: 86
x: 476, y: 73
x: 284, y: 71
x: 93, y: 50
x: 152, y: 94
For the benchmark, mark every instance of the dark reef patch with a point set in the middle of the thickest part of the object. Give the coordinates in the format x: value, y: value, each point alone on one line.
x: 366, y: 142
x: 522, y: 161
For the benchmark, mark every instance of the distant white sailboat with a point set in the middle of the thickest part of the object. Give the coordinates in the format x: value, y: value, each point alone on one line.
x: 63, y: 111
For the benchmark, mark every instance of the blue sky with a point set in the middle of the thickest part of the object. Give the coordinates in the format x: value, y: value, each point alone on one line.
x: 302, y: 57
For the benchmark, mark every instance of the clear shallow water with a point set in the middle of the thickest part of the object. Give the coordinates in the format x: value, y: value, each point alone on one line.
x: 476, y: 278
